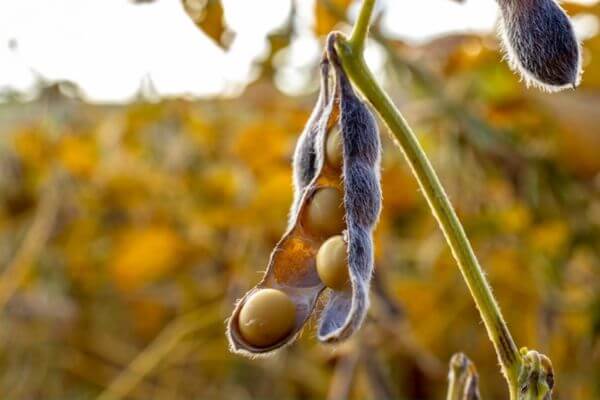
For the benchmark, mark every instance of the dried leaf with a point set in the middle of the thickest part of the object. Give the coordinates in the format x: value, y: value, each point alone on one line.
x: 208, y: 16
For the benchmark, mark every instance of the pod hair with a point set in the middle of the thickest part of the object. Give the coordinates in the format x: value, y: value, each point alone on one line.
x: 305, y: 155
x: 345, y: 312
x: 540, y: 43
x: 292, y: 264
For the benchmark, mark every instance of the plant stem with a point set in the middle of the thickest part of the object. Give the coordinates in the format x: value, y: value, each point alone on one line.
x: 351, y: 55
x: 16, y: 272
x: 361, y: 26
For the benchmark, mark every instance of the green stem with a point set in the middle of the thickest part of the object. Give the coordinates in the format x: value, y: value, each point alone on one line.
x: 361, y: 26
x: 351, y: 55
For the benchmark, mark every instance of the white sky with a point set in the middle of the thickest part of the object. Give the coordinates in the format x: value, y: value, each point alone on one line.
x: 107, y: 47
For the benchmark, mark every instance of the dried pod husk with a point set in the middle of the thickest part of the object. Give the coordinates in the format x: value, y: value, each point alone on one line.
x: 540, y: 43
x: 463, y: 380
x: 292, y: 269
x: 346, y: 310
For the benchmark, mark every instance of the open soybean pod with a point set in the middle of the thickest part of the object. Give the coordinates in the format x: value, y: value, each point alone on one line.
x: 330, y: 200
x: 291, y: 267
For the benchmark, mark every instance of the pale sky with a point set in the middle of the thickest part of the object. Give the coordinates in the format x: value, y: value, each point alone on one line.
x: 107, y: 47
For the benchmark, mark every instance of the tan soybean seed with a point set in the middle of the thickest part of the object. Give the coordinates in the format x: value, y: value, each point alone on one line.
x: 325, y: 212
x: 267, y: 317
x: 332, y: 263
x: 333, y: 148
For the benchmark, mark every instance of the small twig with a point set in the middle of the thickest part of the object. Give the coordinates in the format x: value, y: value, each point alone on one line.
x: 148, y: 359
x: 343, y: 376
x: 378, y: 379
x: 32, y: 245
x: 463, y: 380
x: 395, y: 324
x: 91, y: 370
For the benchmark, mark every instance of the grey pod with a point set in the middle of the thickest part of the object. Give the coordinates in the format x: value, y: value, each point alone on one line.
x: 345, y: 311
x: 540, y: 43
x: 291, y: 267
x: 305, y: 157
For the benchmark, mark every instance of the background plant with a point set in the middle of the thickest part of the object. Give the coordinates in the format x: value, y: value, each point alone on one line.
x: 210, y: 197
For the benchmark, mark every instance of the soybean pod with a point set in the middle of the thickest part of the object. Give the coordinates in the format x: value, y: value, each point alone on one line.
x: 328, y: 247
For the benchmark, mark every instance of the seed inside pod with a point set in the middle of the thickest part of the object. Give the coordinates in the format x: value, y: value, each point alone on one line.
x: 325, y: 212
x: 267, y: 317
x: 333, y: 148
x: 332, y: 263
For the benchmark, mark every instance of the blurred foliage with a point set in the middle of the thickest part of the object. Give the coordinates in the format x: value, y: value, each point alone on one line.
x: 327, y: 15
x: 167, y: 212
x: 208, y: 16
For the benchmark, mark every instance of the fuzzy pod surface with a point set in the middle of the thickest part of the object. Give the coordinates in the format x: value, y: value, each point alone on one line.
x: 345, y: 311
x: 540, y: 43
x: 292, y: 264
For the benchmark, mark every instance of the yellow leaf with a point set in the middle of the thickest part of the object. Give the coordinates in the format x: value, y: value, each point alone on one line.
x: 208, y: 16
x: 144, y: 255
x: 223, y: 183
x: 263, y: 145
x: 400, y: 191
x: 550, y: 237
x: 515, y: 218
x: 77, y: 155
x: 148, y: 316
x: 33, y: 147
x: 326, y: 14
x: 273, y: 198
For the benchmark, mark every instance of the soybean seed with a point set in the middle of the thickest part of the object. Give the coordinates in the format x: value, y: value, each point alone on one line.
x: 332, y: 263
x: 267, y: 317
